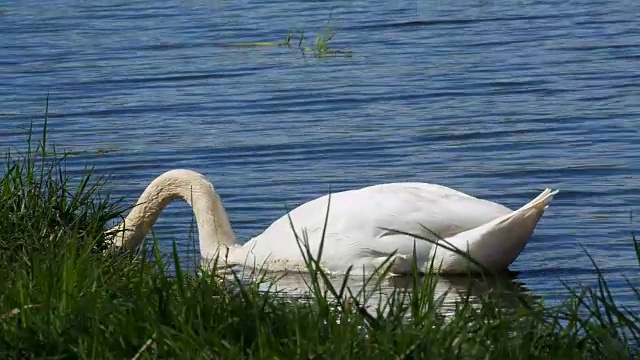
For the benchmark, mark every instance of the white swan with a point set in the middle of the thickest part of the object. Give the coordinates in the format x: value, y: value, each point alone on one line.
x: 357, y: 228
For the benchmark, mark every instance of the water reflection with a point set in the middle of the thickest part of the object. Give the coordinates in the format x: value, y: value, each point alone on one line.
x: 375, y: 292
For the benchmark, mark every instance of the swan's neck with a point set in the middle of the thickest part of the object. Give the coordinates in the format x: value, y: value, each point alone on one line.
x: 214, y: 228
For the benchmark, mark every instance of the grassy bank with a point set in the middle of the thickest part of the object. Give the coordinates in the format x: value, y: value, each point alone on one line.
x: 63, y: 296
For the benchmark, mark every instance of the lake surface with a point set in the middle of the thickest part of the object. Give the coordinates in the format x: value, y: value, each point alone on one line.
x: 496, y: 98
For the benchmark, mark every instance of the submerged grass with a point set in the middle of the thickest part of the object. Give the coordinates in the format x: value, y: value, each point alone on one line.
x: 64, y: 296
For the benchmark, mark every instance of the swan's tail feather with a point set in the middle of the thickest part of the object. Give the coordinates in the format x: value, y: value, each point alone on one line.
x: 497, y: 243
x: 544, y: 199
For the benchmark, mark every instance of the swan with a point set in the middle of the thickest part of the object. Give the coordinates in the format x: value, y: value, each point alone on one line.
x: 364, y: 228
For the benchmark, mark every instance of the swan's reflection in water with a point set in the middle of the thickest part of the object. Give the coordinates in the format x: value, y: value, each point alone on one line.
x: 447, y: 290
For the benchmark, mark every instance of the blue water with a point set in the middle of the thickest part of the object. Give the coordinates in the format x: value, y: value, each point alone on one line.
x: 496, y: 98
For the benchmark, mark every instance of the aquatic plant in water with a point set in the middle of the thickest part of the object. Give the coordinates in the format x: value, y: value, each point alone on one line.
x: 320, y: 48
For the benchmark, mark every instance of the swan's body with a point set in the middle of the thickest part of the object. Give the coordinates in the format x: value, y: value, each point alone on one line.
x: 357, y: 229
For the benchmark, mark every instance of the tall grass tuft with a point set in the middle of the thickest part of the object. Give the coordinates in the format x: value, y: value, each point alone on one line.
x: 63, y: 295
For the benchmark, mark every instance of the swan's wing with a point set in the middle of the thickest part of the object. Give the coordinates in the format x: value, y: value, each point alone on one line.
x: 359, y: 219
x: 411, y: 207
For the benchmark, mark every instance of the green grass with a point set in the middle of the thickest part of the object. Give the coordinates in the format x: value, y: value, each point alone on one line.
x: 65, y: 295
x: 320, y: 48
